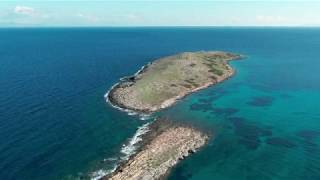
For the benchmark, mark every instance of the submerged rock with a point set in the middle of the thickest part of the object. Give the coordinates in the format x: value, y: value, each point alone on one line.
x: 249, y: 133
x: 261, y: 101
x: 280, y: 142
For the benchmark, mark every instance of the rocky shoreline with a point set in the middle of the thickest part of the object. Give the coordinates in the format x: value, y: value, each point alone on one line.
x: 162, y: 147
x: 127, y: 93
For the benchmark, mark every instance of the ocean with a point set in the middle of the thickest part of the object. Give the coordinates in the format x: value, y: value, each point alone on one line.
x: 56, y: 124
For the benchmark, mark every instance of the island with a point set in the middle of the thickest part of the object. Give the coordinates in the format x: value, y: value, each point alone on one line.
x: 162, y: 82
x: 164, y: 146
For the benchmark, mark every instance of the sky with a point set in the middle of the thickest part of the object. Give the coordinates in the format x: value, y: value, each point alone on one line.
x: 48, y: 13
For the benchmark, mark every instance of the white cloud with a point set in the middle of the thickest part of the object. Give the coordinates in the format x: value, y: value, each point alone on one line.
x: 23, y: 16
x: 24, y: 10
x: 132, y: 16
x: 272, y: 20
x: 87, y: 17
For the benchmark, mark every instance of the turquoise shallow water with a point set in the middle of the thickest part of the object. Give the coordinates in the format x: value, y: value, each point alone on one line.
x: 55, y: 123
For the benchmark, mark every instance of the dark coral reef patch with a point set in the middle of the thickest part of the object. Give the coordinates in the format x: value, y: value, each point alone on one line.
x: 261, y: 101
x: 309, y: 140
x: 308, y: 135
x: 249, y: 134
x: 280, y: 142
x: 225, y: 111
x: 205, y: 105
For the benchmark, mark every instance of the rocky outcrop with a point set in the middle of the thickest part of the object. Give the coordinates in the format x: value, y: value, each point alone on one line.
x: 165, y: 147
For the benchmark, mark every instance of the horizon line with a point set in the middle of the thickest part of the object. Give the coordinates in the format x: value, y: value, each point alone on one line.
x: 165, y: 26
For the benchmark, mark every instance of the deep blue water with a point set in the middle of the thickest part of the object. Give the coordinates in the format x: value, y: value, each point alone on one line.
x: 55, y: 123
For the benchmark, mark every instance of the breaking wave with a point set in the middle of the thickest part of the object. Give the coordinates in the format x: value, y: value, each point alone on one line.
x: 126, y: 151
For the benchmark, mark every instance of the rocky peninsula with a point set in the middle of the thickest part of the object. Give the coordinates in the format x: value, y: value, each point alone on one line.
x: 164, y: 146
x: 162, y: 82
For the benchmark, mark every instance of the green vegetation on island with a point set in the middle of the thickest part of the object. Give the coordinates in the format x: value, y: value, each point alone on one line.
x: 160, y: 83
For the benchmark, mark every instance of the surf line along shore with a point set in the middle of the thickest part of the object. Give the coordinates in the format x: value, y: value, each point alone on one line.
x: 156, y: 86
x: 161, y: 149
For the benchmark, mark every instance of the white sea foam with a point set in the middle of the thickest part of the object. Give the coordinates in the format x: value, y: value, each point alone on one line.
x: 111, y: 159
x: 141, y: 69
x: 101, y: 173
x: 106, y: 96
x: 127, y: 150
x: 130, y: 148
x: 143, y: 116
x: 132, y: 113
